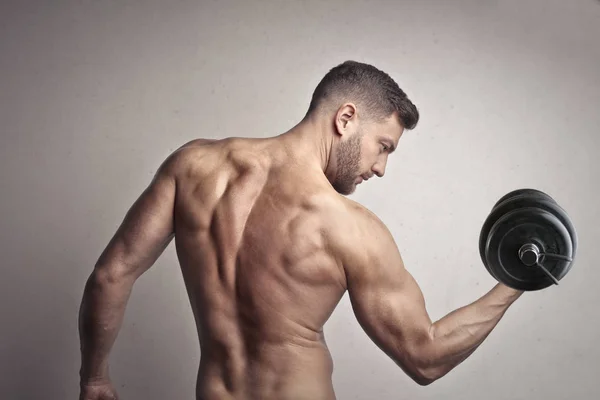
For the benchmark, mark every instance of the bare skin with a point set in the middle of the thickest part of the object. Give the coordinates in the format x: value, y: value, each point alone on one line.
x: 268, y: 245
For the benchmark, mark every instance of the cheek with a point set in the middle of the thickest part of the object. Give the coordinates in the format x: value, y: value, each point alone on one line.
x: 371, y: 154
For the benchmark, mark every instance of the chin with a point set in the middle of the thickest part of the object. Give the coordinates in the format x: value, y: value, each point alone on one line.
x: 350, y: 190
x: 346, y: 188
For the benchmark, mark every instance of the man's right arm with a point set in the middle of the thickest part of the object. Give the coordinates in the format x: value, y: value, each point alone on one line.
x: 143, y: 235
x: 390, y: 307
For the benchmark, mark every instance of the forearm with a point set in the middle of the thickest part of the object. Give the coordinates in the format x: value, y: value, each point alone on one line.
x: 100, y: 318
x: 456, y: 336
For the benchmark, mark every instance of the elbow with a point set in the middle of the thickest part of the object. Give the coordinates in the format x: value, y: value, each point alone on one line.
x: 425, y: 369
x: 104, y: 282
x: 424, y: 376
x: 109, y: 275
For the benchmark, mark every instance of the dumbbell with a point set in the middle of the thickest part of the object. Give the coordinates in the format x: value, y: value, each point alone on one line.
x: 528, y: 241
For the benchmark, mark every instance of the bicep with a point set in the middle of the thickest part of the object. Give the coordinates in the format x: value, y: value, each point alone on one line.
x: 388, y: 302
x: 146, y: 229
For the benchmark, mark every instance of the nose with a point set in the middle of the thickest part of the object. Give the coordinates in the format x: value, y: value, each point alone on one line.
x: 378, y: 169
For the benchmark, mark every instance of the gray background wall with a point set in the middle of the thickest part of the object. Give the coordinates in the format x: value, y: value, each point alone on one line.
x: 94, y: 95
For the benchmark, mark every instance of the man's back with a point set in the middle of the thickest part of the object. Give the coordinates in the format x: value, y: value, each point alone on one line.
x: 252, y: 236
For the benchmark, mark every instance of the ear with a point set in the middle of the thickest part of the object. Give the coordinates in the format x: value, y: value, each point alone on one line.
x: 345, y: 119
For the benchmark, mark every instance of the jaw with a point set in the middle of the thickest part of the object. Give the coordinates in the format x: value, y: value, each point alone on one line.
x: 345, y: 189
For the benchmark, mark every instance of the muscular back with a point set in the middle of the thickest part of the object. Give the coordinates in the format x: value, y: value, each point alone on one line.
x: 252, y: 233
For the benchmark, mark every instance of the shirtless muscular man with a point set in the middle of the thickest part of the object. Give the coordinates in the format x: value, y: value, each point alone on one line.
x: 268, y: 244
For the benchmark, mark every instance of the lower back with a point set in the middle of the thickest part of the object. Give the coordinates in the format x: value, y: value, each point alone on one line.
x: 279, y: 372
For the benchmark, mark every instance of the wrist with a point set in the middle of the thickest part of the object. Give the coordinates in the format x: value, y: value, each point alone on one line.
x: 509, y: 293
x: 89, y: 377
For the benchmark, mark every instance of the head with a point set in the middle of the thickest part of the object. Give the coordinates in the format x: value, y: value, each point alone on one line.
x: 367, y: 113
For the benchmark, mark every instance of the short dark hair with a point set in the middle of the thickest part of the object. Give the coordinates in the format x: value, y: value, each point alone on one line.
x: 370, y: 88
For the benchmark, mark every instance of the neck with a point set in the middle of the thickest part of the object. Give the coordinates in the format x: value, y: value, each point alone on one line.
x: 310, y: 141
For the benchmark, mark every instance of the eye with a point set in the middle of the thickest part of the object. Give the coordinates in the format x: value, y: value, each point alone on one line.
x: 384, y: 147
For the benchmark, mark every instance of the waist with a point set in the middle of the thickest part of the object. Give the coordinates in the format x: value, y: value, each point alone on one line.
x: 266, y: 371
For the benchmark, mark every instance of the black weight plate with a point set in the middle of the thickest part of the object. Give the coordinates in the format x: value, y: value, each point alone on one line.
x: 515, y: 194
x: 525, y: 191
x: 494, y: 215
x: 535, y: 226
x: 525, y: 200
x: 521, y: 226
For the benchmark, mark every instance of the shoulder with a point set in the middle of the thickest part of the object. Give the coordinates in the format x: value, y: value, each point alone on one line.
x: 237, y: 150
x: 192, y: 157
x: 357, y: 219
x: 364, y: 247
x: 186, y: 150
x: 355, y: 233
x: 203, y: 158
